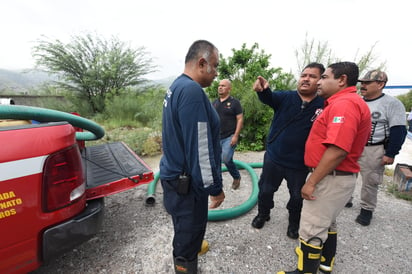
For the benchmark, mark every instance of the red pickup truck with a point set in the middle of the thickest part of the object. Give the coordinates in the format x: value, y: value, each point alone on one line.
x: 52, y: 187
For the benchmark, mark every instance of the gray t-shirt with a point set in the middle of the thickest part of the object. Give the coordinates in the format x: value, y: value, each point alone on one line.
x: 386, y: 112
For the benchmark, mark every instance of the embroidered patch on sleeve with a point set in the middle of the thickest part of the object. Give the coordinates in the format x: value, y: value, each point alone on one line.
x: 338, y: 119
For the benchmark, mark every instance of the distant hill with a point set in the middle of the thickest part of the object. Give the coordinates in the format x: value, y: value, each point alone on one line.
x: 165, y: 82
x: 21, y: 81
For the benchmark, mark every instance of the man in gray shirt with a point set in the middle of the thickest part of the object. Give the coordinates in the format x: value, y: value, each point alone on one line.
x: 387, y: 137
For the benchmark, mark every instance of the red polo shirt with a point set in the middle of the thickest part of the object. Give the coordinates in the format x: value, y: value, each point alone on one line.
x: 346, y: 123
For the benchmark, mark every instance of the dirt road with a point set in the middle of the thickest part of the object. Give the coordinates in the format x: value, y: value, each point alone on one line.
x: 137, y: 239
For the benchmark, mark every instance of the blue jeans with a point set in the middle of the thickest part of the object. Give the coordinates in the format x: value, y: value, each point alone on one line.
x: 227, y: 157
x: 269, y: 182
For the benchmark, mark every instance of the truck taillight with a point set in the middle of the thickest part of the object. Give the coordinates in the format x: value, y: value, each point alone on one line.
x: 63, y: 181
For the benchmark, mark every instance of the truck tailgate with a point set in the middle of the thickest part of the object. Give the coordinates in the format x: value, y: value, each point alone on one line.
x: 112, y: 168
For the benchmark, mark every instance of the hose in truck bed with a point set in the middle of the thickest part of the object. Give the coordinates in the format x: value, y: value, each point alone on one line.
x: 18, y: 112
x: 227, y: 213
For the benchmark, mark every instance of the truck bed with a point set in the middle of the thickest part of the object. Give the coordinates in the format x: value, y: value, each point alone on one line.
x: 108, y: 164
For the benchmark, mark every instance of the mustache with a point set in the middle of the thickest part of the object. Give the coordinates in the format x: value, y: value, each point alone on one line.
x: 363, y: 89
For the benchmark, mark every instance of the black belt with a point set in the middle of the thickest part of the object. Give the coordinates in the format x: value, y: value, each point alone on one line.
x: 376, y: 144
x: 335, y: 172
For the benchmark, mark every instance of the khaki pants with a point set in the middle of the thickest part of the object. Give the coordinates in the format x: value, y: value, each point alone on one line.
x: 318, y: 216
x: 372, y: 175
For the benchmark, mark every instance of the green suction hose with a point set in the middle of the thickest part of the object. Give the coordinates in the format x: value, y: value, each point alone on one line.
x: 221, y: 214
x: 18, y: 112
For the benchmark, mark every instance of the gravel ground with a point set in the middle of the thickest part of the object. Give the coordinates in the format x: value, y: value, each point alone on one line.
x: 136, y: 238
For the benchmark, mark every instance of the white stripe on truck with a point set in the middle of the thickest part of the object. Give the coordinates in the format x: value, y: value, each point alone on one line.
x: 20, y: 168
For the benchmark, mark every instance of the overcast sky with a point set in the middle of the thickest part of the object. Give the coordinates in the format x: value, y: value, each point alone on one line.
x: 166, y: 28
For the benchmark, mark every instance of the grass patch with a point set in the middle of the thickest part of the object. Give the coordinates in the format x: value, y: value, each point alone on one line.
x: 389, y: 172
x: 404, y: 195
x: 392, y: 188
x: 143, y: 141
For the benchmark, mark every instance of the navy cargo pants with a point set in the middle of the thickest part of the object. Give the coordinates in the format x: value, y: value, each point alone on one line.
x: 269, y: 182
x: 189, y: 214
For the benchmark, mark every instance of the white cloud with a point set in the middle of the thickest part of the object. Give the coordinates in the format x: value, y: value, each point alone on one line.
x: 167, y: 28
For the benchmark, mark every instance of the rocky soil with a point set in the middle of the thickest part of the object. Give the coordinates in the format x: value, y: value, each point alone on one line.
x: 136, y: 238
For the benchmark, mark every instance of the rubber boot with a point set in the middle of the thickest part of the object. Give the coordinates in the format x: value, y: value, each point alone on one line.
x: 204, y: 248
x: 308, y: 258
x: 364, y: 218
x: 328, y: 253
x: 182, y: 265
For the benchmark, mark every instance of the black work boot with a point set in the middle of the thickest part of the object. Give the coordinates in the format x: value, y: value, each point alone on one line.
x: 349, y: 204
x: 182, y: 265
x: 364, y: 218
x: 236, y: 183
x: 293, y: 227
x: 259, y: 220
x: 293, y: 231
x: 328, y: 253
x: 308, y: 258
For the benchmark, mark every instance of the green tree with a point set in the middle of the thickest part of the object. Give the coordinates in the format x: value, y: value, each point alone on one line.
x: 136, y: 108
x: 92, y: 68
x: 406, y: 99
x: 320, y: 52
x: 312, y: 51
x: 242, y: 69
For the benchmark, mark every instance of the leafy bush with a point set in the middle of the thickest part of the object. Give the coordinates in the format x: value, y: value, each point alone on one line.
x: 242, y: 69
x: 143, y: 141
x: 134, y: 117
x: 152, y: 146
x: 406, y: 99
x: 136, y: 108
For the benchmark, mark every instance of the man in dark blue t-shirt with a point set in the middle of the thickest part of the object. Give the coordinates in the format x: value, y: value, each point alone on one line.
x: 294, y: 112
x: 190, y: 169
x: 231, y: 122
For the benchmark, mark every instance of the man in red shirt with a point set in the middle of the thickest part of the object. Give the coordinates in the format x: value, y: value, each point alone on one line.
x: 333, y: 147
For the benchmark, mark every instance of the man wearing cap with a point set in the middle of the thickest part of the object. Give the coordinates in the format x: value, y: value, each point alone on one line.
x: 386, y: 139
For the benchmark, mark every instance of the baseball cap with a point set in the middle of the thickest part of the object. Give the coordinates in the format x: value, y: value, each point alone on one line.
x: 374, y: 75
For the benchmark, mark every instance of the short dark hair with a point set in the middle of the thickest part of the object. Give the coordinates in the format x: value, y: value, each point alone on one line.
x: 350, y: 69
x: 315, y: 65
x: 199, y: 48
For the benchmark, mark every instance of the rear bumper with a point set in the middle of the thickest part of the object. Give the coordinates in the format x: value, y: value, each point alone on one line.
x: 67, y: 235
